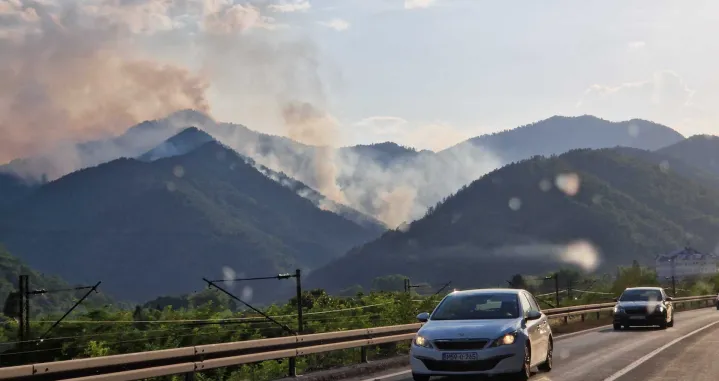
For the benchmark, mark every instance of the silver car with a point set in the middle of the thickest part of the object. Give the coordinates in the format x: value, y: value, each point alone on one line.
x: 487, y: 332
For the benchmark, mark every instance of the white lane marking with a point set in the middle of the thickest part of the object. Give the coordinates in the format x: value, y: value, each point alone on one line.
x: 385, y: 376
x: 655, y: 352
x: 582, y: 332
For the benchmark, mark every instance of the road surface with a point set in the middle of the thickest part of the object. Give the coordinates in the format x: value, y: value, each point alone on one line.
x: 687, y: 351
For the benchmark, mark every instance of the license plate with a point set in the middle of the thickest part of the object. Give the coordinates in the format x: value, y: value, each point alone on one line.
x: 637, y: 317
x: 468, y: 356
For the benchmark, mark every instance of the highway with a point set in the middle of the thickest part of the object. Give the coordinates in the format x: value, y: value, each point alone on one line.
x: 687, y: 351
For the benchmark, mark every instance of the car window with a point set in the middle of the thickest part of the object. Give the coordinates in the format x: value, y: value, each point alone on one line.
x: 533, y: 303
x: 641, y: 296
x: 526, y: 307
x: 477, y: 306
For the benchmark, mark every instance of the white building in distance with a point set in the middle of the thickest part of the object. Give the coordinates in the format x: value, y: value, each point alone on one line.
x: 684, y: 263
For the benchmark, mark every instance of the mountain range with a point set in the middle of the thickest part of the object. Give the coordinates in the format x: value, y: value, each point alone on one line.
x: 595, y: 209
x: 156, y: 228
x: 387, y: 181
x: 174, y: 200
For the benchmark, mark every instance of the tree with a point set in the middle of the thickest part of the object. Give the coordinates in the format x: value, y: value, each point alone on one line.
x: 518, y: 282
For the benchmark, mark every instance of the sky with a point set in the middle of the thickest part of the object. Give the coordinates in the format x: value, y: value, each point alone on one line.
x: 423, y: 73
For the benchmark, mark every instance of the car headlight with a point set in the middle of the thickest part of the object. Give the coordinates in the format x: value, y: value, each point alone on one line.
x: 618, y: 309
x: 659, y: 308
x: 420, y: 341
x: 506, y: 339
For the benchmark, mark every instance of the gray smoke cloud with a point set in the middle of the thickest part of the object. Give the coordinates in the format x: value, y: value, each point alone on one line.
x: 75, y: 71
x: 68, y: 72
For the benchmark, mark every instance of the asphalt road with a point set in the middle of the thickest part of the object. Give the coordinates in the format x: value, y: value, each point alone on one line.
x: 687, y: 351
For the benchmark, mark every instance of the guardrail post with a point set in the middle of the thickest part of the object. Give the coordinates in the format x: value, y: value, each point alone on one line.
x: 190, y: 376
x: 566, y: 320
x: 363, y: 354
x: 583, y: 317
x: 293, y: 367
x: 598, y: 314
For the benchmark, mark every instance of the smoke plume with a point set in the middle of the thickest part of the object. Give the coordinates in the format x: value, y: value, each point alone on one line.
x: 68, y: 72
x: 79, y: 70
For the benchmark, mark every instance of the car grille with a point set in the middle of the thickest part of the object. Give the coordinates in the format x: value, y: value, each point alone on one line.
x: 463, y: 366
x: 638, y: 310
x: 460, y: 345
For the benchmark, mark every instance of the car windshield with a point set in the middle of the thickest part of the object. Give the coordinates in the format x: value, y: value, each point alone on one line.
x: 478, y: 306
x: 641, y: 296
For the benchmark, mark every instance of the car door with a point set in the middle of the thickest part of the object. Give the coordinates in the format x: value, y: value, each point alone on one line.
x: 543, y: 326
x: 535, y: 336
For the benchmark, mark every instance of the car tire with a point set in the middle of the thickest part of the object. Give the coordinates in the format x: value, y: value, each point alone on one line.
x: 671, y: 322
x: 526, y: 372
x: 420, y: 377
x: 546, y: 366
x: 663, y: 324
x: 617, y: 327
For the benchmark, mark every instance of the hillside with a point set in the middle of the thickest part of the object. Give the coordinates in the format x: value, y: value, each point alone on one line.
x: 513, y: 220
x: 560, y: 134
x: 187, y: 140
x: 13, y: 189
x: 388, y: 181
x: 156, y: 228
x: 701, y: 151
x: 52, y: 302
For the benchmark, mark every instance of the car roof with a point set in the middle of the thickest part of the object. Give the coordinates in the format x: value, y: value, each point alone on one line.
x: 478, y: 291
x: 643, y: 288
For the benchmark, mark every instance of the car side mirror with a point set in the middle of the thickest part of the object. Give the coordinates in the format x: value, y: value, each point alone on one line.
x: 423, y: 317
x: 669, y: 299
x: 533, y: 315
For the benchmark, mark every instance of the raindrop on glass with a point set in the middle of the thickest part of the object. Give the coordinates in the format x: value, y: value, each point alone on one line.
x: 515, y: 203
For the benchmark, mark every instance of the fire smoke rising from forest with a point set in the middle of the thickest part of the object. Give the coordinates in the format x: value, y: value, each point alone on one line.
x: 74, y: 71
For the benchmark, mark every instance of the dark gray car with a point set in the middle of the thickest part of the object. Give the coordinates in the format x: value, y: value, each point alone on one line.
x: 644, y: 306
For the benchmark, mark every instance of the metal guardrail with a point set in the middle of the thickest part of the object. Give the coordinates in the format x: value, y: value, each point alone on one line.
x: 188, y: 360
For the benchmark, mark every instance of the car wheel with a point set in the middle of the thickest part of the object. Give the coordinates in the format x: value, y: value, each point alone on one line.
x: 546, y: 366
x: 526, y: 372
x: 617, y: 327
x: 663, y: 324
x: 671, y: 322
x: 420, y: 377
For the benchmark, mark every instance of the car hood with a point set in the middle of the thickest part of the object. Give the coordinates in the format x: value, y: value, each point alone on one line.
x: 468, y: 329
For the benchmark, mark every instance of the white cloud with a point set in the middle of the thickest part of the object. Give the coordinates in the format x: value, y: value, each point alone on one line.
x: 664, y: 98
x: 412, y: 4
x: 635, y: 45
x: 381, y: 125
x: 336, y: 24
x: 666, y: 88
x: 290, y: 6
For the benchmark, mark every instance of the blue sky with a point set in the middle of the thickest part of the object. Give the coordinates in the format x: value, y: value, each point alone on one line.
x: 426, y: 73
x: 473, y: 67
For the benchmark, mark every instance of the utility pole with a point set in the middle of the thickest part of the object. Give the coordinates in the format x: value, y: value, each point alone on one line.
x: 674, y: 287
x: 555, y: 276
x: 24, y: 310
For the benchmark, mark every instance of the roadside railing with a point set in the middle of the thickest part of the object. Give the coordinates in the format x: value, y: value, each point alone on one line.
x: 199, y: 358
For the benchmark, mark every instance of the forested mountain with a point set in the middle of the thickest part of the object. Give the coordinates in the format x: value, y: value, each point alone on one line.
x: 51, y: 302
x: 156, y: 228
x: 701, y: 151
x: 13, y: 189
x: 560, y: 134
x: 385, y: 180
x: 539, y: 214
